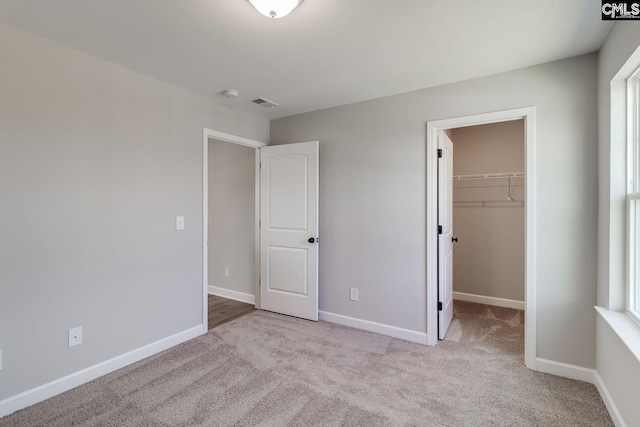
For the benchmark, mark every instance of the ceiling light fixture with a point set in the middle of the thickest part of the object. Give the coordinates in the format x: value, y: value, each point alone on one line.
x: 275, y: 8
x: 231, y: 93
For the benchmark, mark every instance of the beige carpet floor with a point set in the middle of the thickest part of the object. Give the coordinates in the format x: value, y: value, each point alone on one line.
x: 492, y: 329
x: 271, y: 370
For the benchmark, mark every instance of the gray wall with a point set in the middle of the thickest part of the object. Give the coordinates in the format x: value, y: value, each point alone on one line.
x: 232, y: 210
x: 372, y: 198
x: 488, y: 259
x: 95, y: 163
x: 616, y: 365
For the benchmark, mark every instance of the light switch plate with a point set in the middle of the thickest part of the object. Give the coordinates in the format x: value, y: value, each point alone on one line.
x: 179, y: 223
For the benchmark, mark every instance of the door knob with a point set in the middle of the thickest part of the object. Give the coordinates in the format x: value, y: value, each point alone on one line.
x: 454, y: 239
x: 311, y: 240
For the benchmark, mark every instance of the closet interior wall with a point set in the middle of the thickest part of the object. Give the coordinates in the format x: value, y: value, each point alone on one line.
x: 488, y: 212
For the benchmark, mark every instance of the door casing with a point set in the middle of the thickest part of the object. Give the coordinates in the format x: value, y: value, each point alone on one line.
x: 528, y: 114
x: 221, y: 136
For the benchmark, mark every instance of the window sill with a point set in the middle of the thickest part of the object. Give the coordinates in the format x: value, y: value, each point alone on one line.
x: 625, y: 327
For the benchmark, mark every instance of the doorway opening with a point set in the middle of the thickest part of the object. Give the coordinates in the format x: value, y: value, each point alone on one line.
x: 488, y: 237
x: 284, y: 266
x: 526, y: 192
x: 230, y: 249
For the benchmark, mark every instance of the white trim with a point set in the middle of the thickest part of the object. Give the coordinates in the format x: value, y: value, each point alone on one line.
x: 226, y: 137
x: 205, y: 229
x: 565, y: 370
x: 530, y: 283
x: 616, y: 255
x: 529, y: 116
x: 256, y: 285
x: 481, y: 299
x: 231, y: 294
x: 633, y: 191
x: 379, y: 328
x: 614, y: 413
x: 55, y: 387
x: 619, y: 147
x: 625, y: 327
x: 432, y: 233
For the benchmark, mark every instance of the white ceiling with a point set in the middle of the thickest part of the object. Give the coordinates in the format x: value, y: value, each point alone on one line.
x: 326, y: 53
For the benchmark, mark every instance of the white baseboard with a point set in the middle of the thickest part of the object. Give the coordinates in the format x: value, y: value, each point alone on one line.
x: 45, y: 391
x: 380, y: 328
x: 234, y: 295
x: 608, y: 402
x: 480, y: 299
x: 565, y: 370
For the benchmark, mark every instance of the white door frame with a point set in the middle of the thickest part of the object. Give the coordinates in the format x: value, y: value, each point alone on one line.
x: 528, y: 114
x: 221, y: 136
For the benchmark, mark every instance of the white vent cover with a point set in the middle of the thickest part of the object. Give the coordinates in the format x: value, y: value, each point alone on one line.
x: 263, y: 102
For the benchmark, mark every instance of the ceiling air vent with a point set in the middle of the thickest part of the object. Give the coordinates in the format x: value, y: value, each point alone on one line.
x: 264, y: 103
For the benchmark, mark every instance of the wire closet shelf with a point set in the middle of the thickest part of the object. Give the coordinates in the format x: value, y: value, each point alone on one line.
x: 484, y: 190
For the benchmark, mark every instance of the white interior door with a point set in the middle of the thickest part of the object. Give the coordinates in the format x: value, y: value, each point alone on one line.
x: 445, y: 237
x: 289, y: 229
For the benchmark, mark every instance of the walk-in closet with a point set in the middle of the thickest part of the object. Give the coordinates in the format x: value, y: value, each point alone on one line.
x: 489, y: 229
x: 488, y: 212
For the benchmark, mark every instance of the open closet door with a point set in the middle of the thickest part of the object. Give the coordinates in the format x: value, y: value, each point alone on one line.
x: 445, y: 237
x: 289, y: 229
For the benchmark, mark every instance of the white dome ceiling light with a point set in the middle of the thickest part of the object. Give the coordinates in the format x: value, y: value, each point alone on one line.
x: 275, y: 8
x: 231, y: 93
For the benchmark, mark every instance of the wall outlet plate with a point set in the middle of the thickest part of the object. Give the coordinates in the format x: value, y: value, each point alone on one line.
x: 353, y: 294
x: 75, y: 336
x: 179, y: 223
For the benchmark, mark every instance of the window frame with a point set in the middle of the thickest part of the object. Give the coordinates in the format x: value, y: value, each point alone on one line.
x: 633, y: 195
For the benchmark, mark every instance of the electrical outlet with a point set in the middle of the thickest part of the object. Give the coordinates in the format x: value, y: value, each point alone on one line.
x: 179, y: 223
x: 0, y: 360
x: 226, y: 271
x: 75, y: 336
x: 353, y: 294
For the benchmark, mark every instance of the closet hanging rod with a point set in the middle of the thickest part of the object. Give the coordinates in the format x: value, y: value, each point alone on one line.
x: 488, y: 203
x: 489, y: 175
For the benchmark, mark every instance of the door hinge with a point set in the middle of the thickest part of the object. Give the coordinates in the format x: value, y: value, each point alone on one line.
x: 439, y: 229
x: 439, y: 153
x: 439, y: 306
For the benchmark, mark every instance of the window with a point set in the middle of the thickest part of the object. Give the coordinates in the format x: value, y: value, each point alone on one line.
x: 633, y: 194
